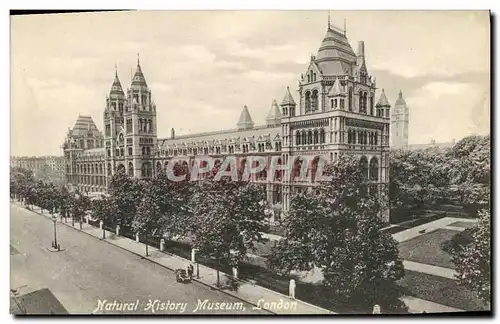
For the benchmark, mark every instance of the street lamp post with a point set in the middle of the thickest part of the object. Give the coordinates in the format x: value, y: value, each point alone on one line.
x: 54, y: 244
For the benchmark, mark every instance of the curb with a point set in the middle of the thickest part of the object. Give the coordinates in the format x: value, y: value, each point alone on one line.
x: 155, y: 262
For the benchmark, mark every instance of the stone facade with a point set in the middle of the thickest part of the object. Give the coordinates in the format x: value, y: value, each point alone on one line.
x: 336, y: 113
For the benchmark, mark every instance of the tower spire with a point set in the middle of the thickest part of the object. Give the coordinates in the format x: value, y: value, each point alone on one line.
x: 345, y: 27
x: 137, y: 58
x: 116, y: 70
x: 328, y: 19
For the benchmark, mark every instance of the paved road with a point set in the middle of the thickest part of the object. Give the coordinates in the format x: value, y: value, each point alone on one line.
x: 94, y: 276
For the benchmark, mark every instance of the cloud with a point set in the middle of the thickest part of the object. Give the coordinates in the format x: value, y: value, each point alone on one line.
x: 267, y: 76
x: 443, y: 111
x: 202, y: 67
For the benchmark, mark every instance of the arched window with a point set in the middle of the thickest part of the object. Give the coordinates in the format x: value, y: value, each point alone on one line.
x: 314, y: 101
x: 375, y: 140
x: 360, y: 101
x: 374, y: 168
x: 308, y: 78
x: 146, y: 170
x: 297, y: 138
x: 322, y: 135
x: 278, y: 173
x: 100, y: 169
x: 308, y: 101
x: 309, y: 137
x: 315, y: 137
x: 109, y: 169
x: 158, y: 167
x: 363, y: 164
x: 304, y: 138
x: 365, y: 102
x: 371, y: 105
x: 353, y: 137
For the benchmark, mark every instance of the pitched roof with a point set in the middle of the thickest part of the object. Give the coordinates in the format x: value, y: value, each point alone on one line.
x: 382, y: 101
x: 245, y: 120
x: 116, y: 87
x: 83, y: 126
x: 335, y: 55
x: 288, y: 99
x: 138, y: 80
x: 336, y: 90
x: 274, y: 112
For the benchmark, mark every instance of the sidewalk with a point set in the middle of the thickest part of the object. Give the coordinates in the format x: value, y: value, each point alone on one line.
x: 429, y: 227
x: 259, y: 296
x: 430, y: 269
x: 417, y: 305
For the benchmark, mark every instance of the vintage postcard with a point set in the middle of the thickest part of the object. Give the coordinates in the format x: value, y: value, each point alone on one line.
x: 250, y: 162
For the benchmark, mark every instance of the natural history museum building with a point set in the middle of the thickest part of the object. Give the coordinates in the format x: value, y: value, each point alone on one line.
x: 334, y: 111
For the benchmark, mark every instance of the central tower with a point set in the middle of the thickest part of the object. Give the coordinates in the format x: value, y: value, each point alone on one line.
x: 130, y: 128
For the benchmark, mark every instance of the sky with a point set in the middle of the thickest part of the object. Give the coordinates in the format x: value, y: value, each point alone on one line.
x: 204, y: 66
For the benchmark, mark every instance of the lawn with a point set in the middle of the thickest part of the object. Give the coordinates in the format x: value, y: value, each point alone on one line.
x: 426, y: 248
x: 440, y: 290
x: 463, y: 224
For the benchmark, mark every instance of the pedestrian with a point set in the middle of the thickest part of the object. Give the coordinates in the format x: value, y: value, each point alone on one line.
x: 190, y: 270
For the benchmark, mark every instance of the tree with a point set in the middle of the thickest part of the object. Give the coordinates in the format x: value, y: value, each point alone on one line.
x: 229, y: 218
x: 104, y: 209
x: 148, y: 219
x: 473, y: 262
x: 20, y: 180
x: 125, y: 192
x: 64, y: 197
x: 80, y: 205
x: 338, y: 229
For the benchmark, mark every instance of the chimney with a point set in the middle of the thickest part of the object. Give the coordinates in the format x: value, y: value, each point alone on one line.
x: 361, y: 54
x: 173, y: 134
x: 361, y: 49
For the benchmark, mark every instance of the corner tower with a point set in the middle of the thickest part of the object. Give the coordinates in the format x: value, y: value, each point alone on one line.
x: 140, y: 127
x: 113, y: 125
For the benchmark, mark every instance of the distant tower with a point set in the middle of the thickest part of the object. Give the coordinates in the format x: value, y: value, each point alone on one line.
x: 399, y: 124
x: 172, y: 134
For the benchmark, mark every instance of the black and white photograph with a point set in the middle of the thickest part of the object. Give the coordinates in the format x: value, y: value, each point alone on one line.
x: 250, y: 162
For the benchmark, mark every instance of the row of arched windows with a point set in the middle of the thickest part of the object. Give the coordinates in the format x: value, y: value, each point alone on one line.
x: 145, y: 126
x: 245, y: 148
x: 94, y: 168
x: 310, y: 137
x: 362, y: 137
x: 311, y: 77
x: 91, y: 180
x: 311, y: 101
